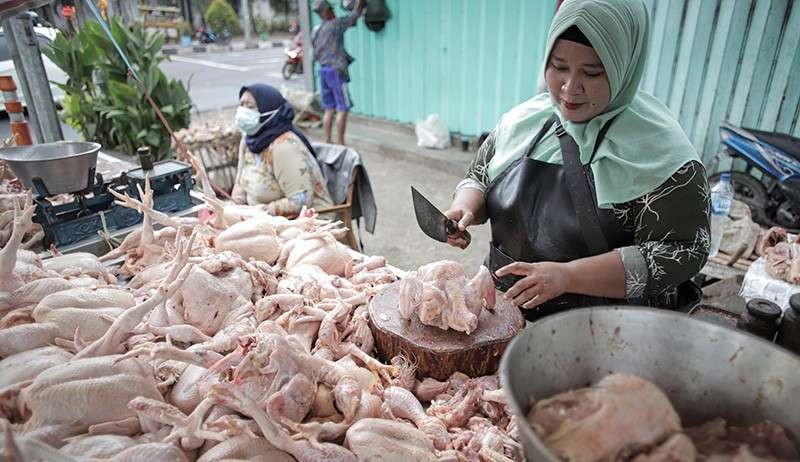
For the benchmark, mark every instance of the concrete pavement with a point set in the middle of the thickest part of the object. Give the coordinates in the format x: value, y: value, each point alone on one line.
x: 394, y: 163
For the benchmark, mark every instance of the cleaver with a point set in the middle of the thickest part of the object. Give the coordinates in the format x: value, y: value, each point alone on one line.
x: 433, y: 222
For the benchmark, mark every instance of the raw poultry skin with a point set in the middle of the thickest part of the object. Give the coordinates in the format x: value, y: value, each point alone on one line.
x: 627, y: 418
x: 766, y: 440
x: 616, y: 418
x: 441, y: 295
x: 386, y: 440
x: 209, y: 354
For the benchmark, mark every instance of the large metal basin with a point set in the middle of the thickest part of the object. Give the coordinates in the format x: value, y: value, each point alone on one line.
x: 707, y: 370
x: 63, y: 166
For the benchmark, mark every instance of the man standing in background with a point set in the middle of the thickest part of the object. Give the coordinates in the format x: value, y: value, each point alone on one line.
x: 328, y: 43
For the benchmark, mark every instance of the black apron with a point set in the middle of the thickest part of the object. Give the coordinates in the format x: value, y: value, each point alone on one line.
x: 533, y: 209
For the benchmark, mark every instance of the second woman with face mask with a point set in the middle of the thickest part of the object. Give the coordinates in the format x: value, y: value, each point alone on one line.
x: 277, y: 165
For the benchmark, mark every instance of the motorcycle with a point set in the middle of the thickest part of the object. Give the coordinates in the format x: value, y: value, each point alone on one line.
x: 205, y: 35
x: 774, y: 198
x: 294, y: 58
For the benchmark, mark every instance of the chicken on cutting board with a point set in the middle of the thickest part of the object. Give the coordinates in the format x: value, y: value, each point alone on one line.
x: 441, y: 295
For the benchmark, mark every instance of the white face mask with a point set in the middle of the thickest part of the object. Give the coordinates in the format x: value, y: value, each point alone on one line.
x: 248, y: 119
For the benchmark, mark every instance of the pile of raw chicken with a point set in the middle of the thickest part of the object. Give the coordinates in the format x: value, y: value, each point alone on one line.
x: 782, y: 255
x: 235, y: 335
x: 627, y: 418
x: 11, y: 194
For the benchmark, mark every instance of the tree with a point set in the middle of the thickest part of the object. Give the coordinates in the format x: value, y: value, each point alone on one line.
x: 221, y: 16
x: 281, y: 7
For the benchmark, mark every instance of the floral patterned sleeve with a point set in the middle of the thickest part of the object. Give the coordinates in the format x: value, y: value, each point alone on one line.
x: 477, y: 176
x: 293, y: 175
x: 671, y: 227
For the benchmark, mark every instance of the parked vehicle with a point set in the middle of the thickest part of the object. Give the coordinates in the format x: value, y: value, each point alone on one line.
x: 205, y: 35
x: 294, y: 58
x: 770, y: 183
x: 45, y: 36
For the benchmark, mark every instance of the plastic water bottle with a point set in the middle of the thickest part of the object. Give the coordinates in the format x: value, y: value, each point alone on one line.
x: 721, y: 199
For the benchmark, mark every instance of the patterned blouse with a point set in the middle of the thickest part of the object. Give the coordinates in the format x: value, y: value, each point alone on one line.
x: 285, y: 176
x: 670, y: 225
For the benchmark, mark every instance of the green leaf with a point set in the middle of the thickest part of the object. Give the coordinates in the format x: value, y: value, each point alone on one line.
x: 153, y: 138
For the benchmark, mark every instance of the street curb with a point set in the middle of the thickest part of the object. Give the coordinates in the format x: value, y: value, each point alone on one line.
x: 176, y: 50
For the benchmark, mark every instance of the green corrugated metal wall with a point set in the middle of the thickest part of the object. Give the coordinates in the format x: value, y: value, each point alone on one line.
x: 734, y: 60
x: 471, y: 60
x: 467, y: 60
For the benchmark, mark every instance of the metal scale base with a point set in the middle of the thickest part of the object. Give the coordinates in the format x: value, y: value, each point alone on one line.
x: 71, y: 222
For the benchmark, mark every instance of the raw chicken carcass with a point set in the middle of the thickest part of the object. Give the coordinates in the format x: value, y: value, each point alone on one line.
x: 27, y: 365
x: 614, y: 419
x: 319, y: 248
x: 762, y: 441
x: 245, y: 447
x: 678, y: 448
x: 98, y: 446
x: 387, y: 440
x: 209, y: 303
x: 84, y: 394
x: 402, y: 404
x: 85, y: 311
x: 783, y: 262
x: 254, y: 238
x: 17, y: 266
x: 77, y: 264
x: 442, y: 296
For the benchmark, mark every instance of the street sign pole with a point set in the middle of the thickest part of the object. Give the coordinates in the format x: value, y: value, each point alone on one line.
x: 24, y: 48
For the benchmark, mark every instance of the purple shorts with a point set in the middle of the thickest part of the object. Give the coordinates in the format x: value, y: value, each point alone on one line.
x: 334, y: 90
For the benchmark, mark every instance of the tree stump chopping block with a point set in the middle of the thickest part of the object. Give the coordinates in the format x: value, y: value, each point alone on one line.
x: 439, y: 353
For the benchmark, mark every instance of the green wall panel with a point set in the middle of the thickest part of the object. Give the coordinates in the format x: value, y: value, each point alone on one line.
x: 467, y: 60
x: 472, y: 60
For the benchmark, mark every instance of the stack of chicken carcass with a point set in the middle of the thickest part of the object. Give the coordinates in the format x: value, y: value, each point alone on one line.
x: 782, y: 255
x: 12, y: 196
x: 237, y: 335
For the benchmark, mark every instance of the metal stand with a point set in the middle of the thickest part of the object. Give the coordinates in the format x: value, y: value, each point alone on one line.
x: 248, y: 43
x: 24, y: 48
x: 308, y: 51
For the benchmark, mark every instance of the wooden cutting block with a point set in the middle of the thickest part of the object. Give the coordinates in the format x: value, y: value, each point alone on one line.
x: 439, y: 353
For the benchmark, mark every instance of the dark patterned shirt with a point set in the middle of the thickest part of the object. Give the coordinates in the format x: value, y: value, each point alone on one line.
x: 328, y: 42
x: 670, y: 225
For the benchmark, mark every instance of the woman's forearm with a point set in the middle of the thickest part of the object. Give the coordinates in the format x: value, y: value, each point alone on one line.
x: 600, y: 276
x: 471, y: 200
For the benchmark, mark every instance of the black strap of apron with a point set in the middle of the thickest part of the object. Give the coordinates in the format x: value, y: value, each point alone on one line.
x: 583, y: 199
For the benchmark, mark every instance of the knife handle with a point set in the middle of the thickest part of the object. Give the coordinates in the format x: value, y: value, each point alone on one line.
x: 451, y: 227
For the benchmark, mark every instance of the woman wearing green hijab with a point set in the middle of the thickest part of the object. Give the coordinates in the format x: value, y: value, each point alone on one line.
x: 594, y: 193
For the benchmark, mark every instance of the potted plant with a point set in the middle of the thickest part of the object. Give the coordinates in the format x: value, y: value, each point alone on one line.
x: 186, y: 34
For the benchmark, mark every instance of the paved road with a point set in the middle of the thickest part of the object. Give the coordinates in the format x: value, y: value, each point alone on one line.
x: 214, y: 79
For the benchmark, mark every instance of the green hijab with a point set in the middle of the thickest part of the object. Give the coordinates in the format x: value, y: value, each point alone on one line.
x: 643, y: 147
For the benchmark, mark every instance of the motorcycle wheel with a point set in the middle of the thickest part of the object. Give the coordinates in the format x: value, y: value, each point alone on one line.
x: 288, y: 70
x: 788, y: 216
x: 750, y: 191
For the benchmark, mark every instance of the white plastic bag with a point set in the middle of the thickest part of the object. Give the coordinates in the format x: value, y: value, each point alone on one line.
x: 759, y: 284
x: 432, y: 133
